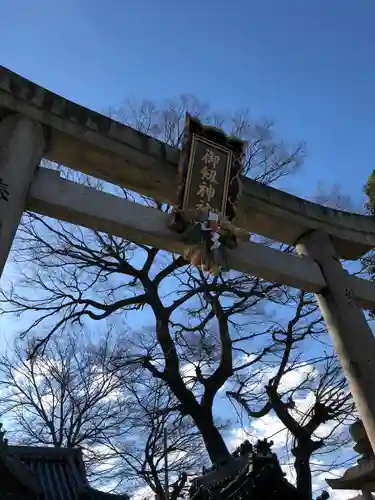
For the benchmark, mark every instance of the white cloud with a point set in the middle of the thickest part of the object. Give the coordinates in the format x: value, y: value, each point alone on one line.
x: 143, y: 493
x: 237, y: 436
x: 188, y: 373
x: 270, y: 427
x: 261, y: 428
x: 295, y: 377
x: 243, y: 359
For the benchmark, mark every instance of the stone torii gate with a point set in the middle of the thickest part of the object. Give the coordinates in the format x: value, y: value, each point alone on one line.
x: 36, y: 124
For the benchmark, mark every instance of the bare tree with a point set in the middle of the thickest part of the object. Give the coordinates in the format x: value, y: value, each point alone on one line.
x: 335, y: 198
x: 321, y: 377
x: 76, y: 275
x: 219, y: 327
x: 65, y: 398
x: 205, y: 332
x: 75, y: 396
x: 163, y: 449
x: 267, y: 157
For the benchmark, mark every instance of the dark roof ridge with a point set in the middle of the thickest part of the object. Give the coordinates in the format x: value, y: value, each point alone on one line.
x: 45, y: 452
x: 21, y: 471
x: 91, y: 493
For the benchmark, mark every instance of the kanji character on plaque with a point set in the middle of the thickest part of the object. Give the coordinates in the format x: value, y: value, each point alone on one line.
x: 203, y: 206
x: 210, y: 158
x: 209, y: 174
x: 206, y: 191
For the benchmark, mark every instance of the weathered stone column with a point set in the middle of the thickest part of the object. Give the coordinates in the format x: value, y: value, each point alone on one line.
x: 22, y: 144
x: 350, y: 333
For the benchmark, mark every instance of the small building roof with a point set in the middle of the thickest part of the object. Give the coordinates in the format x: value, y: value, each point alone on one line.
x: 51, y: 473
x: 253, y: 473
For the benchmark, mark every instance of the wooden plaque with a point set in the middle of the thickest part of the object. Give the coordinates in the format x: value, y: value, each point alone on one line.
x: 209, y: 170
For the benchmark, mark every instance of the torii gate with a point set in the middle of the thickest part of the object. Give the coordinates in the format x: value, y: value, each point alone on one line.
x: 36, y: 124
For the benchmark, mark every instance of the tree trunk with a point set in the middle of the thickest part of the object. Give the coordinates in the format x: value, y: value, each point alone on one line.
x: 213, y: 440
x: 303, y: 473
x: 200, y: 413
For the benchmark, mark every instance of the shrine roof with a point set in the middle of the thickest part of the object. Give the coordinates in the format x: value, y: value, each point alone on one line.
x: 251, y: 473
x: 52, y: 473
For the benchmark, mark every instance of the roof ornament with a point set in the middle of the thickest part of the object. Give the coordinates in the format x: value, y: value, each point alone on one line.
x: 3, y: 441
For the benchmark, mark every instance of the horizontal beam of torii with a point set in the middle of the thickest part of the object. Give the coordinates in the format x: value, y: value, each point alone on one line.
x: 71, y: 202
x: 86, y: 141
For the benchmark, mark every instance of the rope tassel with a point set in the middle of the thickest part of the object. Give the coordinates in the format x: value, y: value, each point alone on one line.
x: 207, y: 243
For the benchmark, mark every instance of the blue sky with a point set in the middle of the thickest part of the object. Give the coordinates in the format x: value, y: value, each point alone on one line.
x: 309, y: 65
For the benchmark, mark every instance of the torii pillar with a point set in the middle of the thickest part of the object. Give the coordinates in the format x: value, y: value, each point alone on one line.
x: 22, y: 144
x: 350, y: 333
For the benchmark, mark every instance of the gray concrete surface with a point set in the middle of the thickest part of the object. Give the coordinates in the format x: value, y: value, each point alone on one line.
x: 87, y: 141
x: 350, y: 333
x: 78, y: 204
x: 22, y: 144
